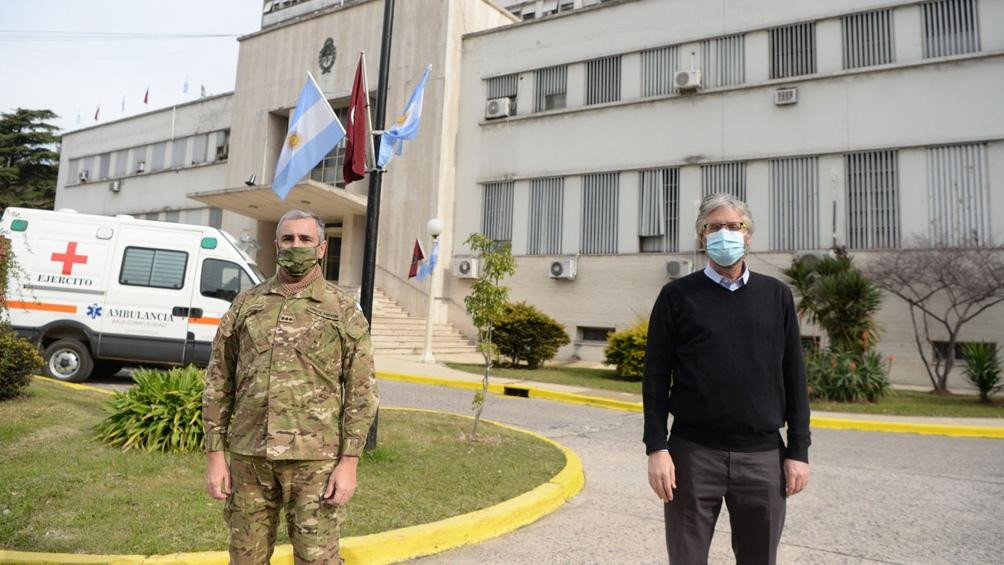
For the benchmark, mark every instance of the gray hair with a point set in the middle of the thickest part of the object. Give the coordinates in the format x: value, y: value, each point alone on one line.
x: 298, y: 214
x: 712, y: 202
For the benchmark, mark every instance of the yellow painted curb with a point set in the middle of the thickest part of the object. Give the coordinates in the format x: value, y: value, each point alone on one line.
x: 76, y: 386
x: 385, y: 547
x: 982, y: 432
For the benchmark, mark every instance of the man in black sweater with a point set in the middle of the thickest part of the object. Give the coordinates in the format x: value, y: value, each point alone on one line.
x: 724, y: 357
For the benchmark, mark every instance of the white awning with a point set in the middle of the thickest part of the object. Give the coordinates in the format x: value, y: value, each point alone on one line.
x: 259, y: 202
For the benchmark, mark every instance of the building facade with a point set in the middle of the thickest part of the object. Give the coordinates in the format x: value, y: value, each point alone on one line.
x: 855, y: 123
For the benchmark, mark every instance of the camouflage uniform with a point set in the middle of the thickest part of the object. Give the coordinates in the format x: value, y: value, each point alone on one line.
x: 290, y: 388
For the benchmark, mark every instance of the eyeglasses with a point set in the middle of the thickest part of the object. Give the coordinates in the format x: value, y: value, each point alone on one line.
x: 731, y: 226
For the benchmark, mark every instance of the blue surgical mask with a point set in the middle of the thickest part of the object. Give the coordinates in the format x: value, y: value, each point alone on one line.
x: 726, y: 247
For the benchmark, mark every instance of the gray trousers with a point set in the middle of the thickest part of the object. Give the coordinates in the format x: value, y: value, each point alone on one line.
x: 752, y: 485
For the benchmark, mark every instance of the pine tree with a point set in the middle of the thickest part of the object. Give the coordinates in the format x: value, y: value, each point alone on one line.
x: 29, y: 159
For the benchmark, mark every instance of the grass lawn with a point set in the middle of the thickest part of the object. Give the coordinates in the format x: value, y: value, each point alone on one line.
x: 61, y: 491
x: 604, y: 379
x: 897, y: 402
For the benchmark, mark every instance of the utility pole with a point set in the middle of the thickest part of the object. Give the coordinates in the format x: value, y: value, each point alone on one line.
x: 376, y: 181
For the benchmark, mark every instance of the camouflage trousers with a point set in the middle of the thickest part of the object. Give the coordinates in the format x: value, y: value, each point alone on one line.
x: 259, y: 489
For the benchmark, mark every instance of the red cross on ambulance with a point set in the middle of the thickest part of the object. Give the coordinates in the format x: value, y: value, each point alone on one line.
x: 69, y: 258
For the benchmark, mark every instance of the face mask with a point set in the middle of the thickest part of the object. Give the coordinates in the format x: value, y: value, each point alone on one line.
x: 726, y: 247
x: 297, y: 261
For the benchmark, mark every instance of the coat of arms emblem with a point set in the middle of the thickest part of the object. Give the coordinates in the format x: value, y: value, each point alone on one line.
x: 327, y: 57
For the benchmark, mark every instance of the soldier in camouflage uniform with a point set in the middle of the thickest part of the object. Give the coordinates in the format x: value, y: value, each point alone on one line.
x: 290, y: 395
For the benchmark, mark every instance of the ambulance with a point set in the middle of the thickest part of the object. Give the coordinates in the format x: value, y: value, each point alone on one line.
x: 97, y: 293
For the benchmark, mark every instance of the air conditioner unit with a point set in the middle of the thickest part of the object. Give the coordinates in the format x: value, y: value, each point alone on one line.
x: 465, y: 267
x: 563, y: 268
x: 679, y: 268
x: 140, y: 166
x: 115, y: 186
x: 785, y: 96
x: 498, y: 108
x: 82, y: 176
x: 687, y: 80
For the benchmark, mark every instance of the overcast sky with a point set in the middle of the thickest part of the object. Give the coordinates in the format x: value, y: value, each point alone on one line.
x: 73, y: 75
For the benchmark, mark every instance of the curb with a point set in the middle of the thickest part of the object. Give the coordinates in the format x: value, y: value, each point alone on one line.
x: 384, y: 547
x: 825, y: 422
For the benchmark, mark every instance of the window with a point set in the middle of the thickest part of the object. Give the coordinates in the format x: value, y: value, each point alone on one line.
x: 121, y: 160
x: 566, y: 6
x: 173, y: 216
x: 872, y: 200
x: 199, y: 143
x: 867, y: 39
x: 950, y: 27
x: 658, y: 66
x: 958, y: 195
x: 724, y: 60
x: 157, y: 158
x: 603, y: 80
x: 159, y: 268
x: 551, y: 85
x: 72, y: 172
x: 496, y: 211
x: 139, y: 156
x: 329, y: 170
x: 104, y: 164
x: 729, y: 178
x: 597, y: 335
x: 794, y: 204
x: 178, y: 149
x: 793, y: 50
x: 222, y: 144
x: 659, y: 211
x: 528, y: 16
x: 941, y: 350
x: 223, y: 280
x: 600, y: 195
x: 504, y: 87
x: 546, y: 211
x: 216, y: 217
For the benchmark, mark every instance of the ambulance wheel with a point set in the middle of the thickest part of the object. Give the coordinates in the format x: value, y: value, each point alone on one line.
x: 68, y: 360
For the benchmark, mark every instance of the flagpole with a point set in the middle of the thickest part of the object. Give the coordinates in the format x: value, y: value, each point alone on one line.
x: 373, y: 197
x: 369, y: 114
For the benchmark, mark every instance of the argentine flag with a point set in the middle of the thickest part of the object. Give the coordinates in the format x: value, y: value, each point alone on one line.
x: 406, y: 126
x: 314, y: 131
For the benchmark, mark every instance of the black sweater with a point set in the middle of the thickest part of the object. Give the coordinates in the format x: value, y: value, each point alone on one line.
x: 728, y: 365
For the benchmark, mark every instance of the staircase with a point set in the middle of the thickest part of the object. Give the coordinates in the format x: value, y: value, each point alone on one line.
x: 394, y: 332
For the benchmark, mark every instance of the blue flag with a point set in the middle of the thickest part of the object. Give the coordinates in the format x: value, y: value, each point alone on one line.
x: 314, y: 131
x: 406, y: 126
x: 429, y: 264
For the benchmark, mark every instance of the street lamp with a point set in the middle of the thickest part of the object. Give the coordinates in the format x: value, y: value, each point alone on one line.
x: 435, y: 228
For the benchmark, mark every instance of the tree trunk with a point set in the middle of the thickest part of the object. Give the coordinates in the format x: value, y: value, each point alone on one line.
x: 487, y: 352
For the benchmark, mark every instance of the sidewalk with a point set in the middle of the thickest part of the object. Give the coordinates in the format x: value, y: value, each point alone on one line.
x: 410, y: 365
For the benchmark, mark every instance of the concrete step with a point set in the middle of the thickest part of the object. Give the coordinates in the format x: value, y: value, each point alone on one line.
x: 395, y: 332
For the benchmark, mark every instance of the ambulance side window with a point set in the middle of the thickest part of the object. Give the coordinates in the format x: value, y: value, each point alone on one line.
x: 223, y: 279
x: 159, y: 268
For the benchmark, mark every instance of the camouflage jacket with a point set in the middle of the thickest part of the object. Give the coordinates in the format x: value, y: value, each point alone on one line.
x: 290, y: 378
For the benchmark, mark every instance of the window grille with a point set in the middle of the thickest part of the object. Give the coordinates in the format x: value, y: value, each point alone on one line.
x: 199, y: 143
x: 950, y: 27
x: 546, y: 210
x: 551, y: 85
x: 723, y: 60
x: 603, y: 80
x: 659, y: 210
x: 793, y: 50
x: 496, y: 211
x: 868, y: 39
x: 872, y: 200
x: 599, y: 212
x: 958, y: 195
x: 658, y: 66
x: 504, y: 86
x: 794, y: 204
x: 729, y: 178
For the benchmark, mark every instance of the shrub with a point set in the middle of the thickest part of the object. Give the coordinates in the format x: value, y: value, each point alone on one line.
x: 161, y: 412
x: 524, y: 333
x: 983, y: 368
x: 846, y: 377
x: 626, y: 350
x: 19, y: 358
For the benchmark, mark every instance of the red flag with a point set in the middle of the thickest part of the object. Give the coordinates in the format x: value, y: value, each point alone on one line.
x: 146, y: 97
x: 417, y: 256
x: 97, y: 112
x: 354, y: 167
